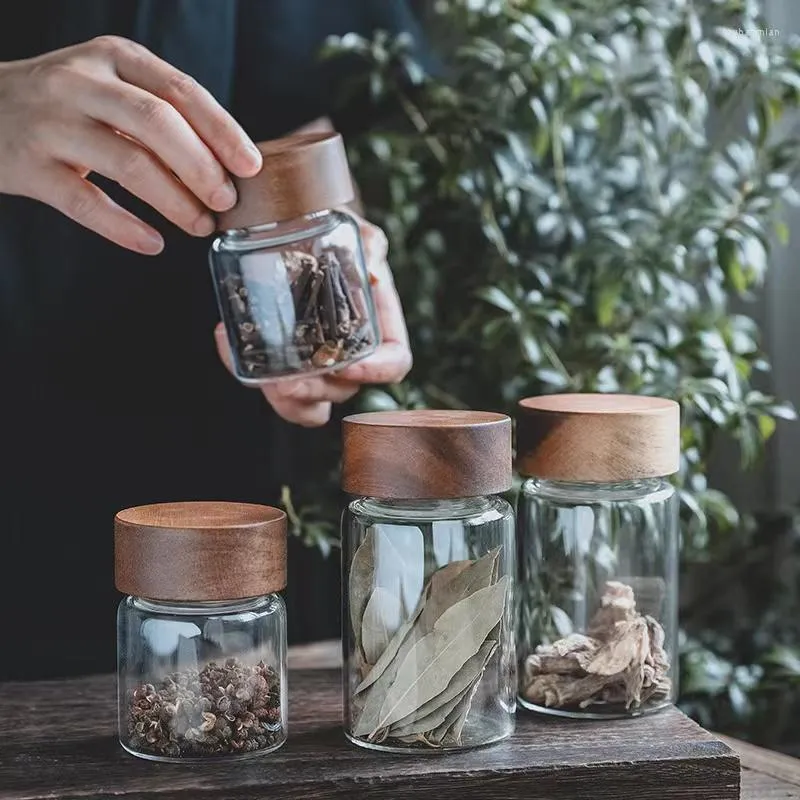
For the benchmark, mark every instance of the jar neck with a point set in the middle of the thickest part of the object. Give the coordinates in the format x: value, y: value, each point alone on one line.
x: 307, y: 225
x: 451, y: 508
x: 200, y: 607
x: 618, y: 489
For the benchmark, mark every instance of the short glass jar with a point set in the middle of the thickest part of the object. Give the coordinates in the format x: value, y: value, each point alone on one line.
x: 598, y: 538
x: 202, y: 633
x: 428, y: 559
x: 289, y: 270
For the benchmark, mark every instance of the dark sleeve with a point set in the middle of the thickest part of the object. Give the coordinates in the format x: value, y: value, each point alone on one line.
x: 281, y: 83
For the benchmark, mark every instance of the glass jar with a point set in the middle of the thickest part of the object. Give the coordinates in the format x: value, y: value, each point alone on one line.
x: 201, y: 644
x: 428, y: 560
x: 598, y: 537
x: 289, y: 270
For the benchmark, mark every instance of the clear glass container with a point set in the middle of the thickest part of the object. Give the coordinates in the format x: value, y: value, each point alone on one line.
x: 294, y: 296
x: 598, y: 597
x: 597, y: 594
x: 202, y: 680
x: 289, y: 268
x: 201, y: 631
x: 429, y: 645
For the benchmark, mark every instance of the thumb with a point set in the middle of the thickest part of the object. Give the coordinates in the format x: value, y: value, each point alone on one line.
x: 224, y: 348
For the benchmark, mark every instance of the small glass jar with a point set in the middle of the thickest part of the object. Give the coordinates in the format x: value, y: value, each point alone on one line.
x: 598, y: 537
x: 289, y: 270
x: 428, y: 560
x: 201, y: 636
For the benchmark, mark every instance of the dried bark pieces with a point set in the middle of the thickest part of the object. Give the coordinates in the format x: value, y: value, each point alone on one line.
x: 620, y: 662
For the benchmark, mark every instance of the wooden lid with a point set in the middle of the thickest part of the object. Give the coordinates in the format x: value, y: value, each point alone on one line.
x: 407, y: 455
x: 300, y: 175
x: 598, y: 438
x: 200, y: 551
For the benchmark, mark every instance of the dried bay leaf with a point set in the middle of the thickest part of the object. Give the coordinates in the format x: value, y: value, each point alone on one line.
x: 429, y: 722
x: 433, y: 661
x: 362, y: 572
x: 451, y: 730
x: 455, y: 584
x: 460, y: 683
x: 416, y: 738
x: 381, y: 620
x: 446, y: 574
x: 432, y: 714
x: 387, y: 656
x: 446, y: 586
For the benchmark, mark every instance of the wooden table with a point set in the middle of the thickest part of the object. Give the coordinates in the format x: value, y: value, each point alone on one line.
x: 57, y: 741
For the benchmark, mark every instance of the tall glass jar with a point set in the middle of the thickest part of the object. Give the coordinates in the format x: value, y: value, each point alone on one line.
x: 289, y: 270
x: 202, y: 632
x: 428, y: 559
x: 598, y: 537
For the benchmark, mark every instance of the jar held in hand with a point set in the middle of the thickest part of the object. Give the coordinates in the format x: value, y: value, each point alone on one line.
x: 598, y: 527
x: 289, y: 269
x: 202, y: 632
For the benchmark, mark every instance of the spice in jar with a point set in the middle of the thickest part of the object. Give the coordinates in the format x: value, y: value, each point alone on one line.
x: 288, y: 265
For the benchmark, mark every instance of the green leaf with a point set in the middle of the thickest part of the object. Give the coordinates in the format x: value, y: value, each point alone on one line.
x: 498, y: 298
x: 606, y: 307
x: 676, y: 40
x: 766, y: 426
x: 782, y: 232
x: 530, y: 348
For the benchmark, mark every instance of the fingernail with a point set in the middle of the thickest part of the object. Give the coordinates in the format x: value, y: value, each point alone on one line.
x: 224, y: 197
x: 150, y: 243
x: 250, y: 157
x: 204, y: 226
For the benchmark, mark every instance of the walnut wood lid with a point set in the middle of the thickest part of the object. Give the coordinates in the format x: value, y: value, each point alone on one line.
x: 407, y: 455
x: 300, y: 175
x: 200, y: 551
x: 598, y: 438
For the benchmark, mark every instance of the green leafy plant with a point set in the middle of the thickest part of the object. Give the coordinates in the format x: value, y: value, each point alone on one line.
x: 573, y: 204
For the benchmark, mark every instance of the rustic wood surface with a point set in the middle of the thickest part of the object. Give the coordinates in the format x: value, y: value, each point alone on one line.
x: 766, y: 775
x: 58, y: 740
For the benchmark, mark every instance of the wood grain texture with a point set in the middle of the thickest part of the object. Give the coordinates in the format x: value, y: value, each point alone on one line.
x: 756, y: 786
x: 597, y: 438
x: 57, y: 740
x: 200, y: 551
x: 426, y: 454
x: 777, y: 766
x: 301, y: 174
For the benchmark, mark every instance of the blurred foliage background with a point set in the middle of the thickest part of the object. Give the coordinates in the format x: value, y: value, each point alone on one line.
x: 577, y: 201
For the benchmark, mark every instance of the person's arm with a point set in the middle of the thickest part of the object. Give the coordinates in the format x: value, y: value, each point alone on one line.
x: 111, y: 107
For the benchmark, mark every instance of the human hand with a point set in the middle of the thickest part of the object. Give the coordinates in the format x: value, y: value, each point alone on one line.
x: 309, y: 401
x: 112, y: 107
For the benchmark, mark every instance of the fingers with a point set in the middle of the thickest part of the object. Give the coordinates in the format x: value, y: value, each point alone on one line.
x: 223, y: 348
x: 83, y: 202
x: 390, y: 363
x: 306, y: 401
x: 138, y: 171
x: 309, y: 415
x: 314, y: 390
x: 162, y: 130
x: 228, y: 141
